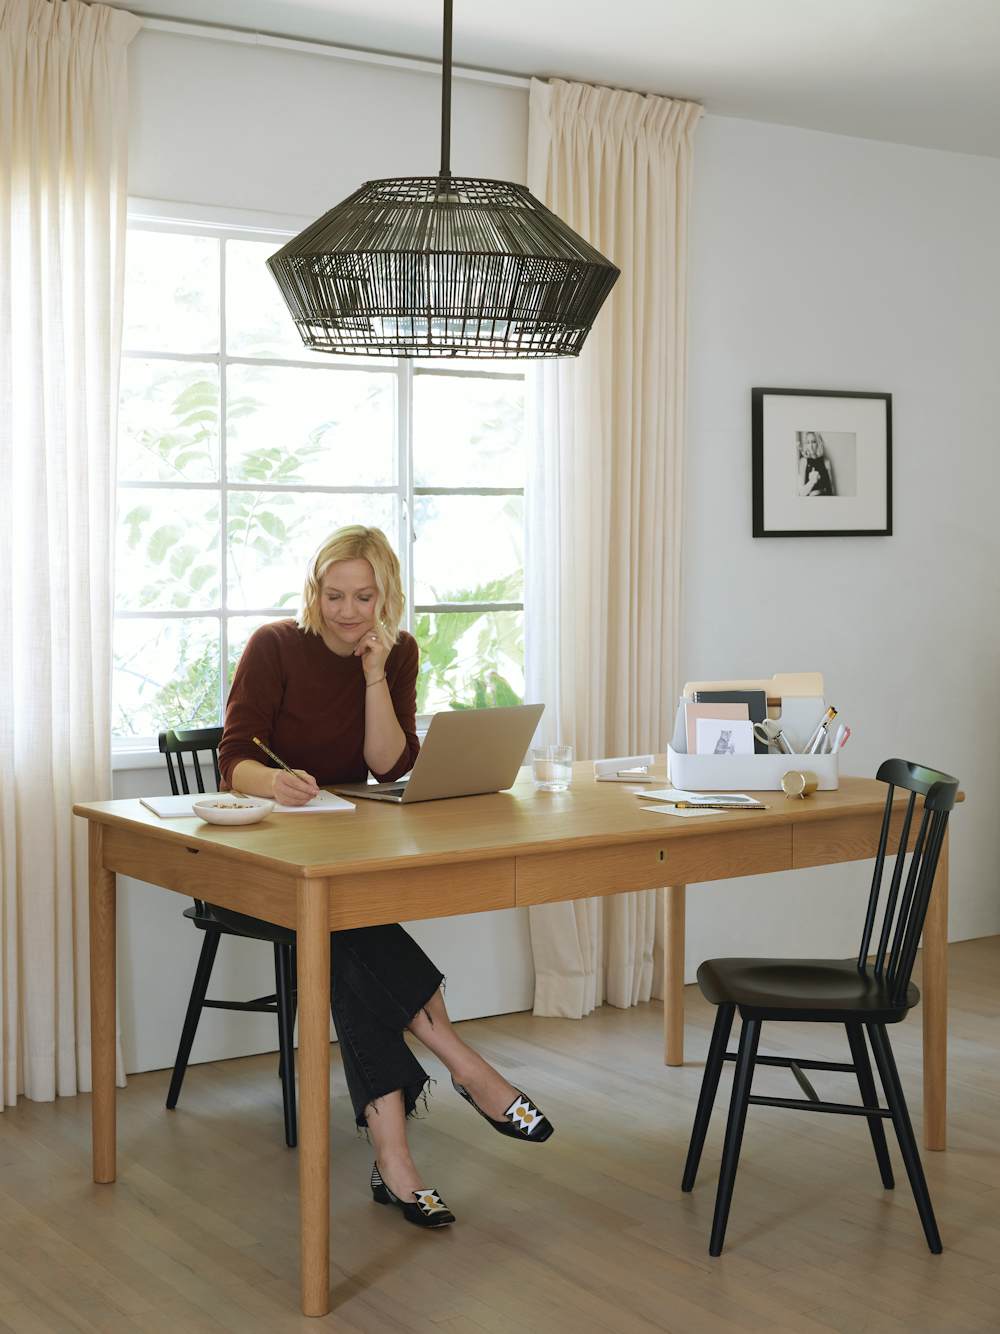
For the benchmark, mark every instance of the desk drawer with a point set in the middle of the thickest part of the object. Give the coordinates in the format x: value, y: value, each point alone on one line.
x: 554, y: 876
x: 201, y: 874
x: 423, y: 891
x: 851, y: 838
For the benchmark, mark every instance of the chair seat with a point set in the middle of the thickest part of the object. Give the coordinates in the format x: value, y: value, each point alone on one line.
x: 824, y: 990
x: 238, y: 924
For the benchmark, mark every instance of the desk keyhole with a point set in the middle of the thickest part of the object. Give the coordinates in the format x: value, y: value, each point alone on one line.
x: 662, y: 855
x: 194, y: 851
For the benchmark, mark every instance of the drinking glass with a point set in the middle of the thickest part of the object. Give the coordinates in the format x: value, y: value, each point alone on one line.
x: 552, y: 767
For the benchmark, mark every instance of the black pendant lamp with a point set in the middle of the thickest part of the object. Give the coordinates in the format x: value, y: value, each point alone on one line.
x: 442, y: 266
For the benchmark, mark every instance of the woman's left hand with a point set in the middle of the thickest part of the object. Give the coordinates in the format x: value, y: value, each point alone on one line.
x: 373, y: 654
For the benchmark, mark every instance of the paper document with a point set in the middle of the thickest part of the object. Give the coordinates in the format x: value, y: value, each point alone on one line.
x: 669, y: 794
x: 167, y: 807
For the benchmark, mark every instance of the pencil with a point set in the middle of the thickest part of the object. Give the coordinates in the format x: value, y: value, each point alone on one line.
x: 267, y: 751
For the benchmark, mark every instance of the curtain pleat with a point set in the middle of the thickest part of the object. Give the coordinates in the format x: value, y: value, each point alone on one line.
x: 63, y: 199
x: 604, y: 493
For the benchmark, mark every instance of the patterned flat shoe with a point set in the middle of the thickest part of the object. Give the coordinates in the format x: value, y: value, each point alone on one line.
x: 521, y: 1120
x: 428, y: 1209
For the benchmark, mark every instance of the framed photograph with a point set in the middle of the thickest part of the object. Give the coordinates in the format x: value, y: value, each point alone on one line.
x: 822, y: 463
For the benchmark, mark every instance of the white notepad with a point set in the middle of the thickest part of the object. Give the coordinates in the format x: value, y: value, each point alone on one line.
x: 184, y: 805
x: 323, y: 801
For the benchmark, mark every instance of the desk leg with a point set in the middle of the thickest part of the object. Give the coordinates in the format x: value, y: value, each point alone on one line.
x: 935, y: 1008
x: 313, y: 954
x: 102, y: 1008
x: 673, y: 974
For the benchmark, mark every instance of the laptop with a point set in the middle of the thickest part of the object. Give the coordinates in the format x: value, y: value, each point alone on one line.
x: 466, y: 752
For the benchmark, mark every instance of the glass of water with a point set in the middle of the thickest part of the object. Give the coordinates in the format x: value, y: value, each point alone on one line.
x: 552, y: 767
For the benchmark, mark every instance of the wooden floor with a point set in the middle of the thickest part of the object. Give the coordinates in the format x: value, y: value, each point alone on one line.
x: 589, y: 1232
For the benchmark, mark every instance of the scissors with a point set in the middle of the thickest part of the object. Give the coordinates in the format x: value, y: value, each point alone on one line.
x: 771, y: 734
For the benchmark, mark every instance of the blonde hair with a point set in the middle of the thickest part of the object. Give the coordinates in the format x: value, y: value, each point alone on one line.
x: 357, y: 543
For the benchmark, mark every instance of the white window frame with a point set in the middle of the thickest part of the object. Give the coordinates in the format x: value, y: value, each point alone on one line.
x: 235, y: 224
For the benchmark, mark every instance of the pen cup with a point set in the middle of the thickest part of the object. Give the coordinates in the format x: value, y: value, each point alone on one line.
x: 799, y: 783
x: 552, y: 768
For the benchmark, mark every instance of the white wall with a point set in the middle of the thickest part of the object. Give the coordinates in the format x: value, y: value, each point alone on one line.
x: 826, y: 262
x: 818, y: 261
x: 252, y: 127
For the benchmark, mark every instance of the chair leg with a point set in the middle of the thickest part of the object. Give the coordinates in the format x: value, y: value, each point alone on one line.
x: 286, y: 1038
x: 904, y: 1132
x: 199, y: 990
x: 709, y: 1088
x: 293, y: 986
x: 739, y: 1103
x: 278, y: 990
x: 869, y: 1097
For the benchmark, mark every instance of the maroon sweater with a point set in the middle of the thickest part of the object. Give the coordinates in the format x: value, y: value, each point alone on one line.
x: 308, y: 704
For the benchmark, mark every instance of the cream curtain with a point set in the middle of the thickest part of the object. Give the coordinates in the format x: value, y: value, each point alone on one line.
x: 63, y: 131
x: 604, y: 492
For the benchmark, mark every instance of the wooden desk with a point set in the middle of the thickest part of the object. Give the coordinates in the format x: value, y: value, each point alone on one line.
x: 512, y: 849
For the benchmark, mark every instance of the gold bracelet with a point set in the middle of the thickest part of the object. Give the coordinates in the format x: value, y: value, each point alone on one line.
x: 375, y: 682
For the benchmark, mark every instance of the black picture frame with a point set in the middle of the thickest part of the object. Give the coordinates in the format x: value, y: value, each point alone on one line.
x: 864, y: 512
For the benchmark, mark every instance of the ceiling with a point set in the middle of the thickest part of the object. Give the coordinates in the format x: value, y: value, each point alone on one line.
x: 923, y: 72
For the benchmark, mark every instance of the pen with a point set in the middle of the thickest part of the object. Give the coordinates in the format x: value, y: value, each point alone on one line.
x: 817, y: 742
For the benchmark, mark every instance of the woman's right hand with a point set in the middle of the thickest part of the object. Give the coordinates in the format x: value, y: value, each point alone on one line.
x: 293, y: 789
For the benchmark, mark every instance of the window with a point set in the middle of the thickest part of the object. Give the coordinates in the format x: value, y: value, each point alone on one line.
x: 239, y: 451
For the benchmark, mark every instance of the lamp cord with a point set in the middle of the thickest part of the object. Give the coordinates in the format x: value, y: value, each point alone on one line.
x: 446, y: 92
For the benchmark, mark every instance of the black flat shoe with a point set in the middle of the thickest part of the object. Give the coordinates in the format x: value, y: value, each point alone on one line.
x: 521, y: 1120
x: 428, y: 1209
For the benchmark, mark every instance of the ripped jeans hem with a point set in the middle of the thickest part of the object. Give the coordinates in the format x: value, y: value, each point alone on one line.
x: 413, y: 1094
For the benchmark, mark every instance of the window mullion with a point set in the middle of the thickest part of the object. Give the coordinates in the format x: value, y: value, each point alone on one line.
x: 223, y: 494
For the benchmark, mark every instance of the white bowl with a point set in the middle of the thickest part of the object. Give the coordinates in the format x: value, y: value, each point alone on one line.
x: 228, y: 808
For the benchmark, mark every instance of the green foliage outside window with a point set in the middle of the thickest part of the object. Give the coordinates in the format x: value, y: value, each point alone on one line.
x: 473, y: 679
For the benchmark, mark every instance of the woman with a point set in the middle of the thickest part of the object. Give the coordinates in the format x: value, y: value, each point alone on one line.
x: 334, y: 694
x: 815, y: 466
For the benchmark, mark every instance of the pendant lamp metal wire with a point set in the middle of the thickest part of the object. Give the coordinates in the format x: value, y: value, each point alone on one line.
x: 442, y: 266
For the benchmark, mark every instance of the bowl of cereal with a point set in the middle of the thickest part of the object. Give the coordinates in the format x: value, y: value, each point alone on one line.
x: 231, y: 808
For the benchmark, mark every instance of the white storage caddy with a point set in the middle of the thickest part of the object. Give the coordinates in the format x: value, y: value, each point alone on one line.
x: 756, y: 773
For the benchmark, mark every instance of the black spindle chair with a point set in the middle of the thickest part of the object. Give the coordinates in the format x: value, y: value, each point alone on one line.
x: 861, y: 995
x: 216, y: 923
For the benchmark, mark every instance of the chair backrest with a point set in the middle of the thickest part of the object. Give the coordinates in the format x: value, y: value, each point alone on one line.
x: 192, y: 743
x: 175, y: 745
x: 903, y: 913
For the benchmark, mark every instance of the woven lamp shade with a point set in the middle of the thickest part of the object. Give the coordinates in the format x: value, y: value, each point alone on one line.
x: 442, y: 266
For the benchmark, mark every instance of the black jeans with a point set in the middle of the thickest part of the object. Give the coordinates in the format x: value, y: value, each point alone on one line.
x: 379, y: 979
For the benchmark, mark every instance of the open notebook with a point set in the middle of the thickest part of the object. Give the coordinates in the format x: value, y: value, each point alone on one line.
x: 183, y: 805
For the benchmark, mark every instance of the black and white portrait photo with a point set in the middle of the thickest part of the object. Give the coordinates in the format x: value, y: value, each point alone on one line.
x: 826, y: 463
x: 821, y: 462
